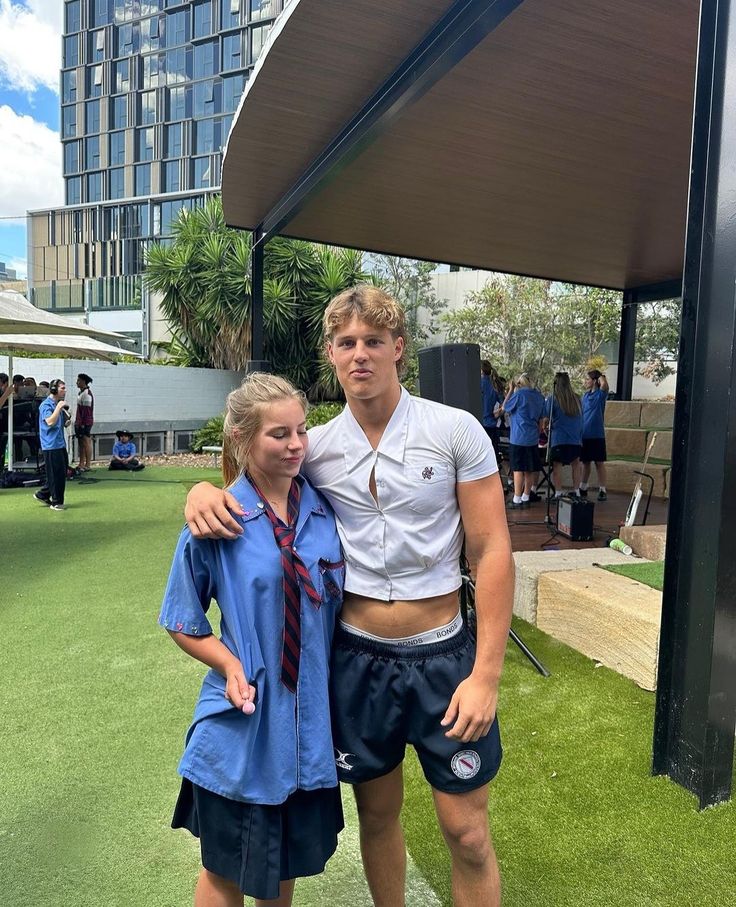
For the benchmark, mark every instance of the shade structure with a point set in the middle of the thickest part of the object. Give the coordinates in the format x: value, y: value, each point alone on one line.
x: 558, y: 146
x: 18, y: 316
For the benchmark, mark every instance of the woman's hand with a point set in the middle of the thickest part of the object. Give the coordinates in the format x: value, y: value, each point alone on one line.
x: 238, y: 691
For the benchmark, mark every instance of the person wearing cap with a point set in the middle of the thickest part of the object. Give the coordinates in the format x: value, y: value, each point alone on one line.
x: 124, y: 453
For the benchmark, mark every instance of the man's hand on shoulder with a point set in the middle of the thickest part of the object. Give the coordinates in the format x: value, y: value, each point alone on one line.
x: 208, y: 513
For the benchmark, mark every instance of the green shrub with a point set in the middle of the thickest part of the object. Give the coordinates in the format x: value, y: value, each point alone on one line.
x: 322, y: 413
x: 210, y: 434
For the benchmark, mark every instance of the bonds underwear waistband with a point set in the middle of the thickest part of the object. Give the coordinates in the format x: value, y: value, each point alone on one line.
x: 438, y: 634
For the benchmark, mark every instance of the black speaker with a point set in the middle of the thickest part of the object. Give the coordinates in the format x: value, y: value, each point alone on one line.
x: 450, y: 374
x: 575, y: 518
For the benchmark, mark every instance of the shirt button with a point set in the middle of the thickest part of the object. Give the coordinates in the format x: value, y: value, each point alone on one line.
x: 260, y: 504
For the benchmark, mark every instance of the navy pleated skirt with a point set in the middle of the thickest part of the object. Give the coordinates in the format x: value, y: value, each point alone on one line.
x: 258, y: 846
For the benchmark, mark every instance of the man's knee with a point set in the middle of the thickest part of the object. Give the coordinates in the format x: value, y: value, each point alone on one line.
x: 379, y: 805
x: 470, y: 843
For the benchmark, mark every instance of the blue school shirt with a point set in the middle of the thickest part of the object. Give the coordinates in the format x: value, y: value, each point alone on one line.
x: 565, y: 429
x: 526, y: 408
x: 123, y: 450
x: 52, y: 436
x: 489, y: 399
x: 286, y: 744
x: 594, y: 406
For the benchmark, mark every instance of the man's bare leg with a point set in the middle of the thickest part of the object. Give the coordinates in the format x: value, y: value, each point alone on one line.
x: 381, y: 837
x: 463, y: 820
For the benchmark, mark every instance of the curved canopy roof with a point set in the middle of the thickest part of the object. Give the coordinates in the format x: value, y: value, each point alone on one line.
x: 557, y: 146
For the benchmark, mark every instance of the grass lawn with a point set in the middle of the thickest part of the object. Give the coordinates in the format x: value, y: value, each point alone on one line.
x: 96, y: 700
x: 651, y: 573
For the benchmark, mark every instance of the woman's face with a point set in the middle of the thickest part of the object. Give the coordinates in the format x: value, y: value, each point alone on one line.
x: 588, y: 382
x: 279, y: 447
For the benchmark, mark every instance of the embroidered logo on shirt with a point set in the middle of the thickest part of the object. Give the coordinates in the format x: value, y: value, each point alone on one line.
x: 341, y: 760
x: 465, y: 764
x: 427, y: 472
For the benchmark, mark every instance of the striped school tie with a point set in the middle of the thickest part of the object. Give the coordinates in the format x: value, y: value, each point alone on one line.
x: 295, y: 573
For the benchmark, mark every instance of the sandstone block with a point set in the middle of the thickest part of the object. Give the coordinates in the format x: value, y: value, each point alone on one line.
x: 662, y: 449
x: 623, y: 413
x: 647, y: 541
x: 607, y: 617
x: 657, y: 415
x: 625, y: 442
x: 530, y: 565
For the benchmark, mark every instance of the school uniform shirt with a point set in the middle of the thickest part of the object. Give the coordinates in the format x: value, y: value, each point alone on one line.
x: 489, y: 398
x: 286, y: 744
x: 594, y: 406
x: 526, y: 408
x: 124, y: 450
x: 52, y: 436
x: 405, y: 545
x: 565, y: 429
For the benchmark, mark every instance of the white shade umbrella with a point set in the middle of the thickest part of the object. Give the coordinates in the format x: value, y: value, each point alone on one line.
x: 77, y: 345
x: 18, y: 316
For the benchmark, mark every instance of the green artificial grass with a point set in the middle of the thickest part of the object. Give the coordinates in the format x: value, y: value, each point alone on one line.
x: 650, y: 573
x: 627, y: 458
x: 96, y: 701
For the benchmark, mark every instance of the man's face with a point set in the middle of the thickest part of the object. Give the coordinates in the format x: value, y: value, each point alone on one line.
x: 365, y: 358
x: 61, y: 392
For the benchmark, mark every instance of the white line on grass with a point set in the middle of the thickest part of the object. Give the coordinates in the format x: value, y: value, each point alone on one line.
x: 343, y: 881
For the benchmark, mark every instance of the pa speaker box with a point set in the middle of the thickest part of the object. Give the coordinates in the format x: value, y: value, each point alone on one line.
x: 450, y: 374
x: 575, y: 518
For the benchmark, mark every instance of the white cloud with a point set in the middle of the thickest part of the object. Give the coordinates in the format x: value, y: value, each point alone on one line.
x: 19, y: 265
x: 30, y: 163
x: 30, y: 44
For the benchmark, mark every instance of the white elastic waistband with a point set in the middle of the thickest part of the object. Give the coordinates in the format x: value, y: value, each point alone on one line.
x: 438, y: 634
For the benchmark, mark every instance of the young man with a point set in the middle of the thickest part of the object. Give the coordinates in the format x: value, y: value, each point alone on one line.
x: 408, y: 479
x: 53, y: 417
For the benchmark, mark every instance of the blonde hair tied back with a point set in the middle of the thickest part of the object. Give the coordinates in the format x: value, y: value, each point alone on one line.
x: 244, y: 409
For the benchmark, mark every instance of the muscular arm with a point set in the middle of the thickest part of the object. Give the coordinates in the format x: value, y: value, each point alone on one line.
x: 212, y: 652
x: 207, y: 513
x: 488, y: 547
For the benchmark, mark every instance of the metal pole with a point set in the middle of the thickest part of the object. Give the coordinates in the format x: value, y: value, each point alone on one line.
x: 626, y: 344
x: 695, y: 715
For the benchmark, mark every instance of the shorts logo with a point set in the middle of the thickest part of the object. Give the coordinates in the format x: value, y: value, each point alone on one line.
x: 466, y: 764
x: 341, y: 760
x: 427, y: 473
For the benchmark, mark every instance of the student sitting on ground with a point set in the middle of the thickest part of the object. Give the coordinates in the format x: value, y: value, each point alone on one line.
x: 124, y: 453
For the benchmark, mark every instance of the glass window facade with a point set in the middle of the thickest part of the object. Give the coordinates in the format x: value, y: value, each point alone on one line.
x: 117, y: 148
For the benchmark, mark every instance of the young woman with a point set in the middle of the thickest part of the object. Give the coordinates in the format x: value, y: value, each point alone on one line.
x: 492, y: 394
x: 525, y: 406
x: 565, y: 413
x: 259, y: 781
x: 84, y: 420
x: 594, y: 432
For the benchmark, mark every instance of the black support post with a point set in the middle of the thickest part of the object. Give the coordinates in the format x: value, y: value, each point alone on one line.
x: 696, y: 693
x: 256, y: 295
x: 626, y: 344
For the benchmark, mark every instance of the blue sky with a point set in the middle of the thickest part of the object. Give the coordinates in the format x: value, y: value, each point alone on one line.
x: 30, y: 153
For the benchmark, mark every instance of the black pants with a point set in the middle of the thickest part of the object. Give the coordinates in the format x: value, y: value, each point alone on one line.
x: 53, y: 488
x: 133, y: 466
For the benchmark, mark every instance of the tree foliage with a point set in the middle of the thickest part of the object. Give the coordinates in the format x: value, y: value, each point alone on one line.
x: 536, y: 326
x: 204, y: 280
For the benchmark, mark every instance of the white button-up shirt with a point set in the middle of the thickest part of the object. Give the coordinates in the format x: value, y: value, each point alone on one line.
x: 405, y: 545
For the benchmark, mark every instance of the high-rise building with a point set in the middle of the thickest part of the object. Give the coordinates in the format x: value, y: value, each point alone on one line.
x: 148, y: 93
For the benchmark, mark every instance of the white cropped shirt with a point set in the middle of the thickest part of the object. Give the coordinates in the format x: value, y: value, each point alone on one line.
x: 407, y: 544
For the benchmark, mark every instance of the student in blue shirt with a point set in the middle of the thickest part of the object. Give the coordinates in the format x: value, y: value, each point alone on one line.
x: 491, y: 396
x: 53, y: 417
x: 124, y: 453
x: 594, y: 432
x: 564, y: 410
x: 259, y: 780
x: 525, y: 406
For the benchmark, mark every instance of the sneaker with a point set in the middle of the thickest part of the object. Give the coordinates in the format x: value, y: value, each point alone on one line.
x: 512, y: 506
x: 57, y: 506
x: 41, y: 500
x: 602, y: 496
x: 583, y: 492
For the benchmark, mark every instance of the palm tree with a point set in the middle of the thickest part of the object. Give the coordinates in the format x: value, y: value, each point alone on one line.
x: 203, y: 278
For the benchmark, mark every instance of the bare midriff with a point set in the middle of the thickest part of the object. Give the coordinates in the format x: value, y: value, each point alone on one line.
x: 397, y: 619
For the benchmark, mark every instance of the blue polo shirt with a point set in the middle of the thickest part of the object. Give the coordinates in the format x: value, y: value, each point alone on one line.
x: 120, y: 449
x: 52, y: 436
x: 287, y: 743
x: 594, y: 407
x: 565, y: 429
x: 526, y: 408
x: 489, y: 398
